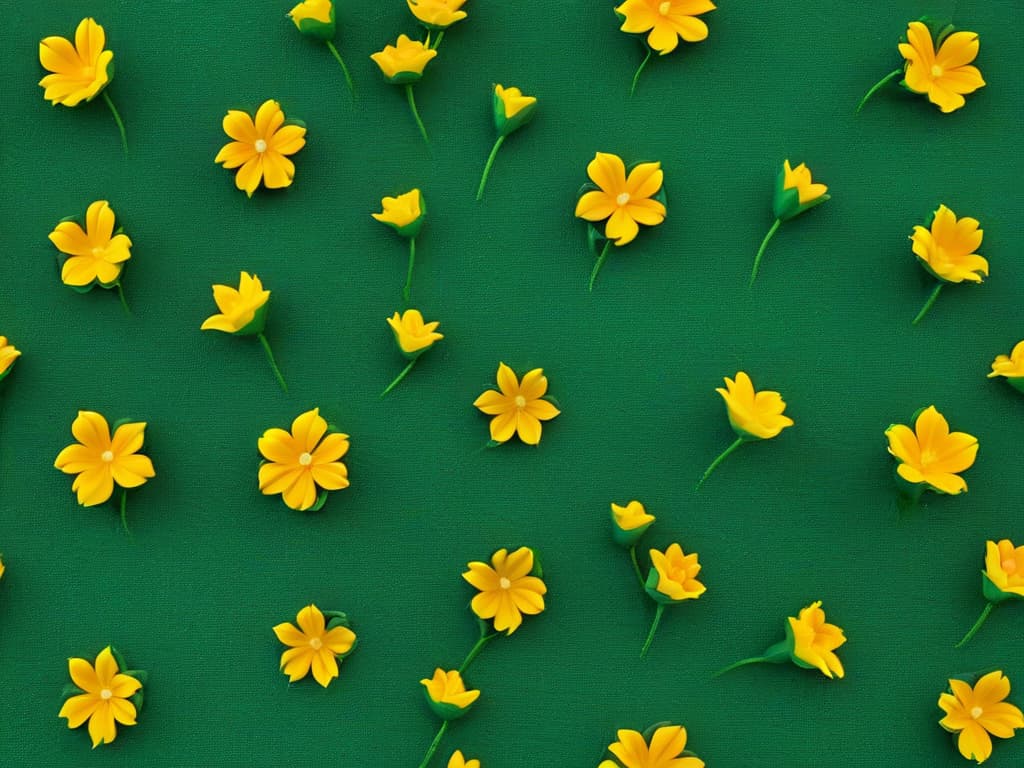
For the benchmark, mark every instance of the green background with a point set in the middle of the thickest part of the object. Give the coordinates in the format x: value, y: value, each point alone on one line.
x: 811, y: 515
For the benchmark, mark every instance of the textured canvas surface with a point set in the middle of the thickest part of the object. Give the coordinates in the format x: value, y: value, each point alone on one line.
x: 213, y: 565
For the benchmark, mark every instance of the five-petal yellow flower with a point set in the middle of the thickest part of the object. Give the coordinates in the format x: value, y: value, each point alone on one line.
x: 1011, y: 366
x: 944, y: 75
x: 815, y: 640
x: 302, y: 462
x: 667, y: 21
x: 437, y: 14
x: 666, y: 749
x: 95, y: 254
x: 80, y: 71
x: 447, y: 694
x: 518, y: 408
x: 626, y: 202
x: 100, y: 461
x: 674, y: 575
x: 507, y: 590
x: 457, y: 760
x: 238, y: 307
x: 8, y: 355
x: 930, y: 456
x: 314, y: 645
x: 260, y: 147
x: 413, y: 336
x: 947, y: 248
x: 979, y: 712
x: 105, y: 699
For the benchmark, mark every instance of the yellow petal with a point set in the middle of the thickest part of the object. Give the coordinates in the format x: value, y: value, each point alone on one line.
x: 78, y: 709
x: 608, y: 172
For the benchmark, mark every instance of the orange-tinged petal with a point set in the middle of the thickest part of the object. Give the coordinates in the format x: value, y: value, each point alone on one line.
x: 83, y: 675
x: 991, y: 688
x: 958, y: 49
x: 963, y: 80
x: 482, y: 576
x: 621, y: 228
x: 94, y: 486
x: 330, y: 477
x: 302, y: 494
x: 308, y: 428
x: 947, y: 483
x: 101, y: 725
x: 278, y: 445
x: 974, y: 743
x: 240, y: 127
x: 920, y: 40
x: 269, y: 118
x: 595, y: 205
x: 288, y: 140
x: 235, y: 154
x: 932, y: 429
x: 608, y: 172
x: 76, y: 458
x: 957, y: 454
x: 278, y: 170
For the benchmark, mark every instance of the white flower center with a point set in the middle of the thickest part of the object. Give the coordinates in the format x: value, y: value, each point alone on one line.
x: 664, y: 8
x: 937, y: 71
x: 107, y: 456
x: 622, y: 199
x: 261, y: 146
x: 306, y: 459
x: 520, y: 401
x: 106, y: 693
x: 504, y: 583
x: 977, y: 712
x: 316, y: 643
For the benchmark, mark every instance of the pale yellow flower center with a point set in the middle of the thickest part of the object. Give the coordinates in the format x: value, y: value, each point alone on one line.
x: 107, y: 456
x: 520, y: 401
x: 937, y: 71
x: 504, y: 583
x: 97, y: 251
x: 1009, y: 566
x: 664, y: 8
x: 261, y: 146
x: 306, y: 459
x: 977, y: 712
x: 316, y: 643
x: 622, y: 199
x: 106, y: 693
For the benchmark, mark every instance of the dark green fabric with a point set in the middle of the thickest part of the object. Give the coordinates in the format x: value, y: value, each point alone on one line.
x: 213, y: 565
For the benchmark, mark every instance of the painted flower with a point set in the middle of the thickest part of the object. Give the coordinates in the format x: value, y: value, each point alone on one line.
x: 507, y: 588
x: 457, y: 760
x: 80, y: 71
x: 95, y: 254
x: 404, y: 214
x: 437, y: 14
x: 315, y: 644
x: 979, y: 712
x: 1011, y: 366
x: 413, y: 336
x: 753, y: 415
x: 945, y: 75
x: 260, y: 147
x: 447, y: 695
x: 243, y: 310
x: 303, y: 465
x: 404, y: 61
x: 946, y: 248
x: 815, y: 641
x: 100, y: 461
x: 626, y: 202
x: 107, y: 696
x: 930, y: 456
x: 314, y: 18
x: 629, y: 523
x: 8, y: 356
x: 1004, y: 567
x: 667, y: 21
x: 518, y: 408
x: 667, y: 749
x: 673, y: 576
x: 512, y: 109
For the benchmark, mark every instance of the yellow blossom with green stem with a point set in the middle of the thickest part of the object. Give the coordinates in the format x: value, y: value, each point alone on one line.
x: 413, y: 337
x: 1002, y: 580
x: 512, y: 110
x: 517, y: 407
x: 405, y: 214
x: 929, y: 457
x: 946, y: 248
x: 403, y: 64
x: 79, y: 71
x: 436, y: 16
x: 243, y: 312
x: 260, y: 147
x: 671, y: 580
x: 320, y: 641
x: 104, y: 694
x: 449, y: 699
x: 975, y: 713
x: 316, y: 19
x: 303, y: 464
x: 95, y: 255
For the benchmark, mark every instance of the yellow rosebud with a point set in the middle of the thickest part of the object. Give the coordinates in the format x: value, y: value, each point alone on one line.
x: 413, y: 336
x: 242, y: 310
x: 814, y: 641
x: 447, y: 695
x: 404, y: 213
x: 437, y: 14
x: 512, y: 110
x: 673, y: 576
x: 630, y: 522
x: 8, y: 354
x: 405, y: 61
x: 314, y: 18
x: 946, y: 247
x: 1004, y: 566
x: 753, y: 414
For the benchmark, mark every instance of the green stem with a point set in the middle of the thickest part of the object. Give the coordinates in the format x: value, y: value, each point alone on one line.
x: 120, y: 295
x: 977, y: 625
x: 117, y: 119
x: 654, y: 628
x: 741, y: 663
x: 487, y: 168
x: 437, y: 41
x: 721, y: 457
x: 760, y: 251
x: 416, y: 112
x: 482, y: 641
x: 928, y: 304
x: 407, y: 289
x: 636, y: 77
x: 878, y: 86
x: 124, y: 511
x: 348, y: 77
x: 400, y: 376
x: 636, y: 566
x: 434, y: 744
x: 600, y: 263
x: 273, y: 362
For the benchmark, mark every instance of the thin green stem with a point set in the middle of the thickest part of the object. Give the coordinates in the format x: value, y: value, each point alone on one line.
x: 928, y: 304
x: 878, y: 86
x: 437, y: 41
x: 120, y: 295
x: 636, y: 566
x: 487, y: 168
x: 636, y: 77
x: 599, y: 264
x: 416, y: 112
x: 481, y: 642
x: 348, y: 76
x: 721, y: 457
x: 977, y: 625
x: 124, y: 511
x: 654, y: 628
x: 760, y: 251
x: 400, y: 376
x: 434, y: 745
x: 273, y: 362
x: 741, y: 663
x: 407, y: 289
x: 117, y: 119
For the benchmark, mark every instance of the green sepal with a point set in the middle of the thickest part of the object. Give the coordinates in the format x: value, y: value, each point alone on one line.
x: 321, y: 499
x: 627, y: 538
x: 337, y: 619
x: 648, y: 732
x: 595, y: 239
x: 444, y: 710
x: 121, y: 665
x: 70, y: 690
x: 110, y: 79
x: 258, y: 323
x: 7, y: 372
x: 1017, y: 382
x: 506, y: 125
x: 404, y: 78
x: 786, y: 202
x: 412, y: 229
x: 538, y: 568
x: 63, y: 257
x: 317, y: 29
x: 493, y: 444
x: 740, y: 433
x: 120, y: 423
x: 993, y: 593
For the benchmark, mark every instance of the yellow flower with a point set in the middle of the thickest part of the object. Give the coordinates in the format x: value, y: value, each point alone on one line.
x: 458, y: 761
x: 1004, y: 566
x: 795, y: 192
x: 242, y: 310
x: 100, y: 461
x: 625, y: 202
x: 260, y: 147
x: 753, y: 414
x: 437, y: 14
x: 517, y: 408
x: 512, y: 110
x: 944, y: 75
x: 105, y: 697
x: 814, y: 640
x: 975, y: 712
x: 80, y: 71
x: 447, y: 695
x: 405, y: 61
x: 1011, y: 366
x: 413, y: 336
x: 314, y: 644
x: 930, y: 454
x: 667, y: 21
x: 8, y: 354
x: 95, y: 254
x: 665, y: 750
x: 507, y: 590
x: 298, y: 464
x: 404, y: 213
x: 629, y: 523
x: 313, y: 14
x: 673, y: 576
x: 947, y: 249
